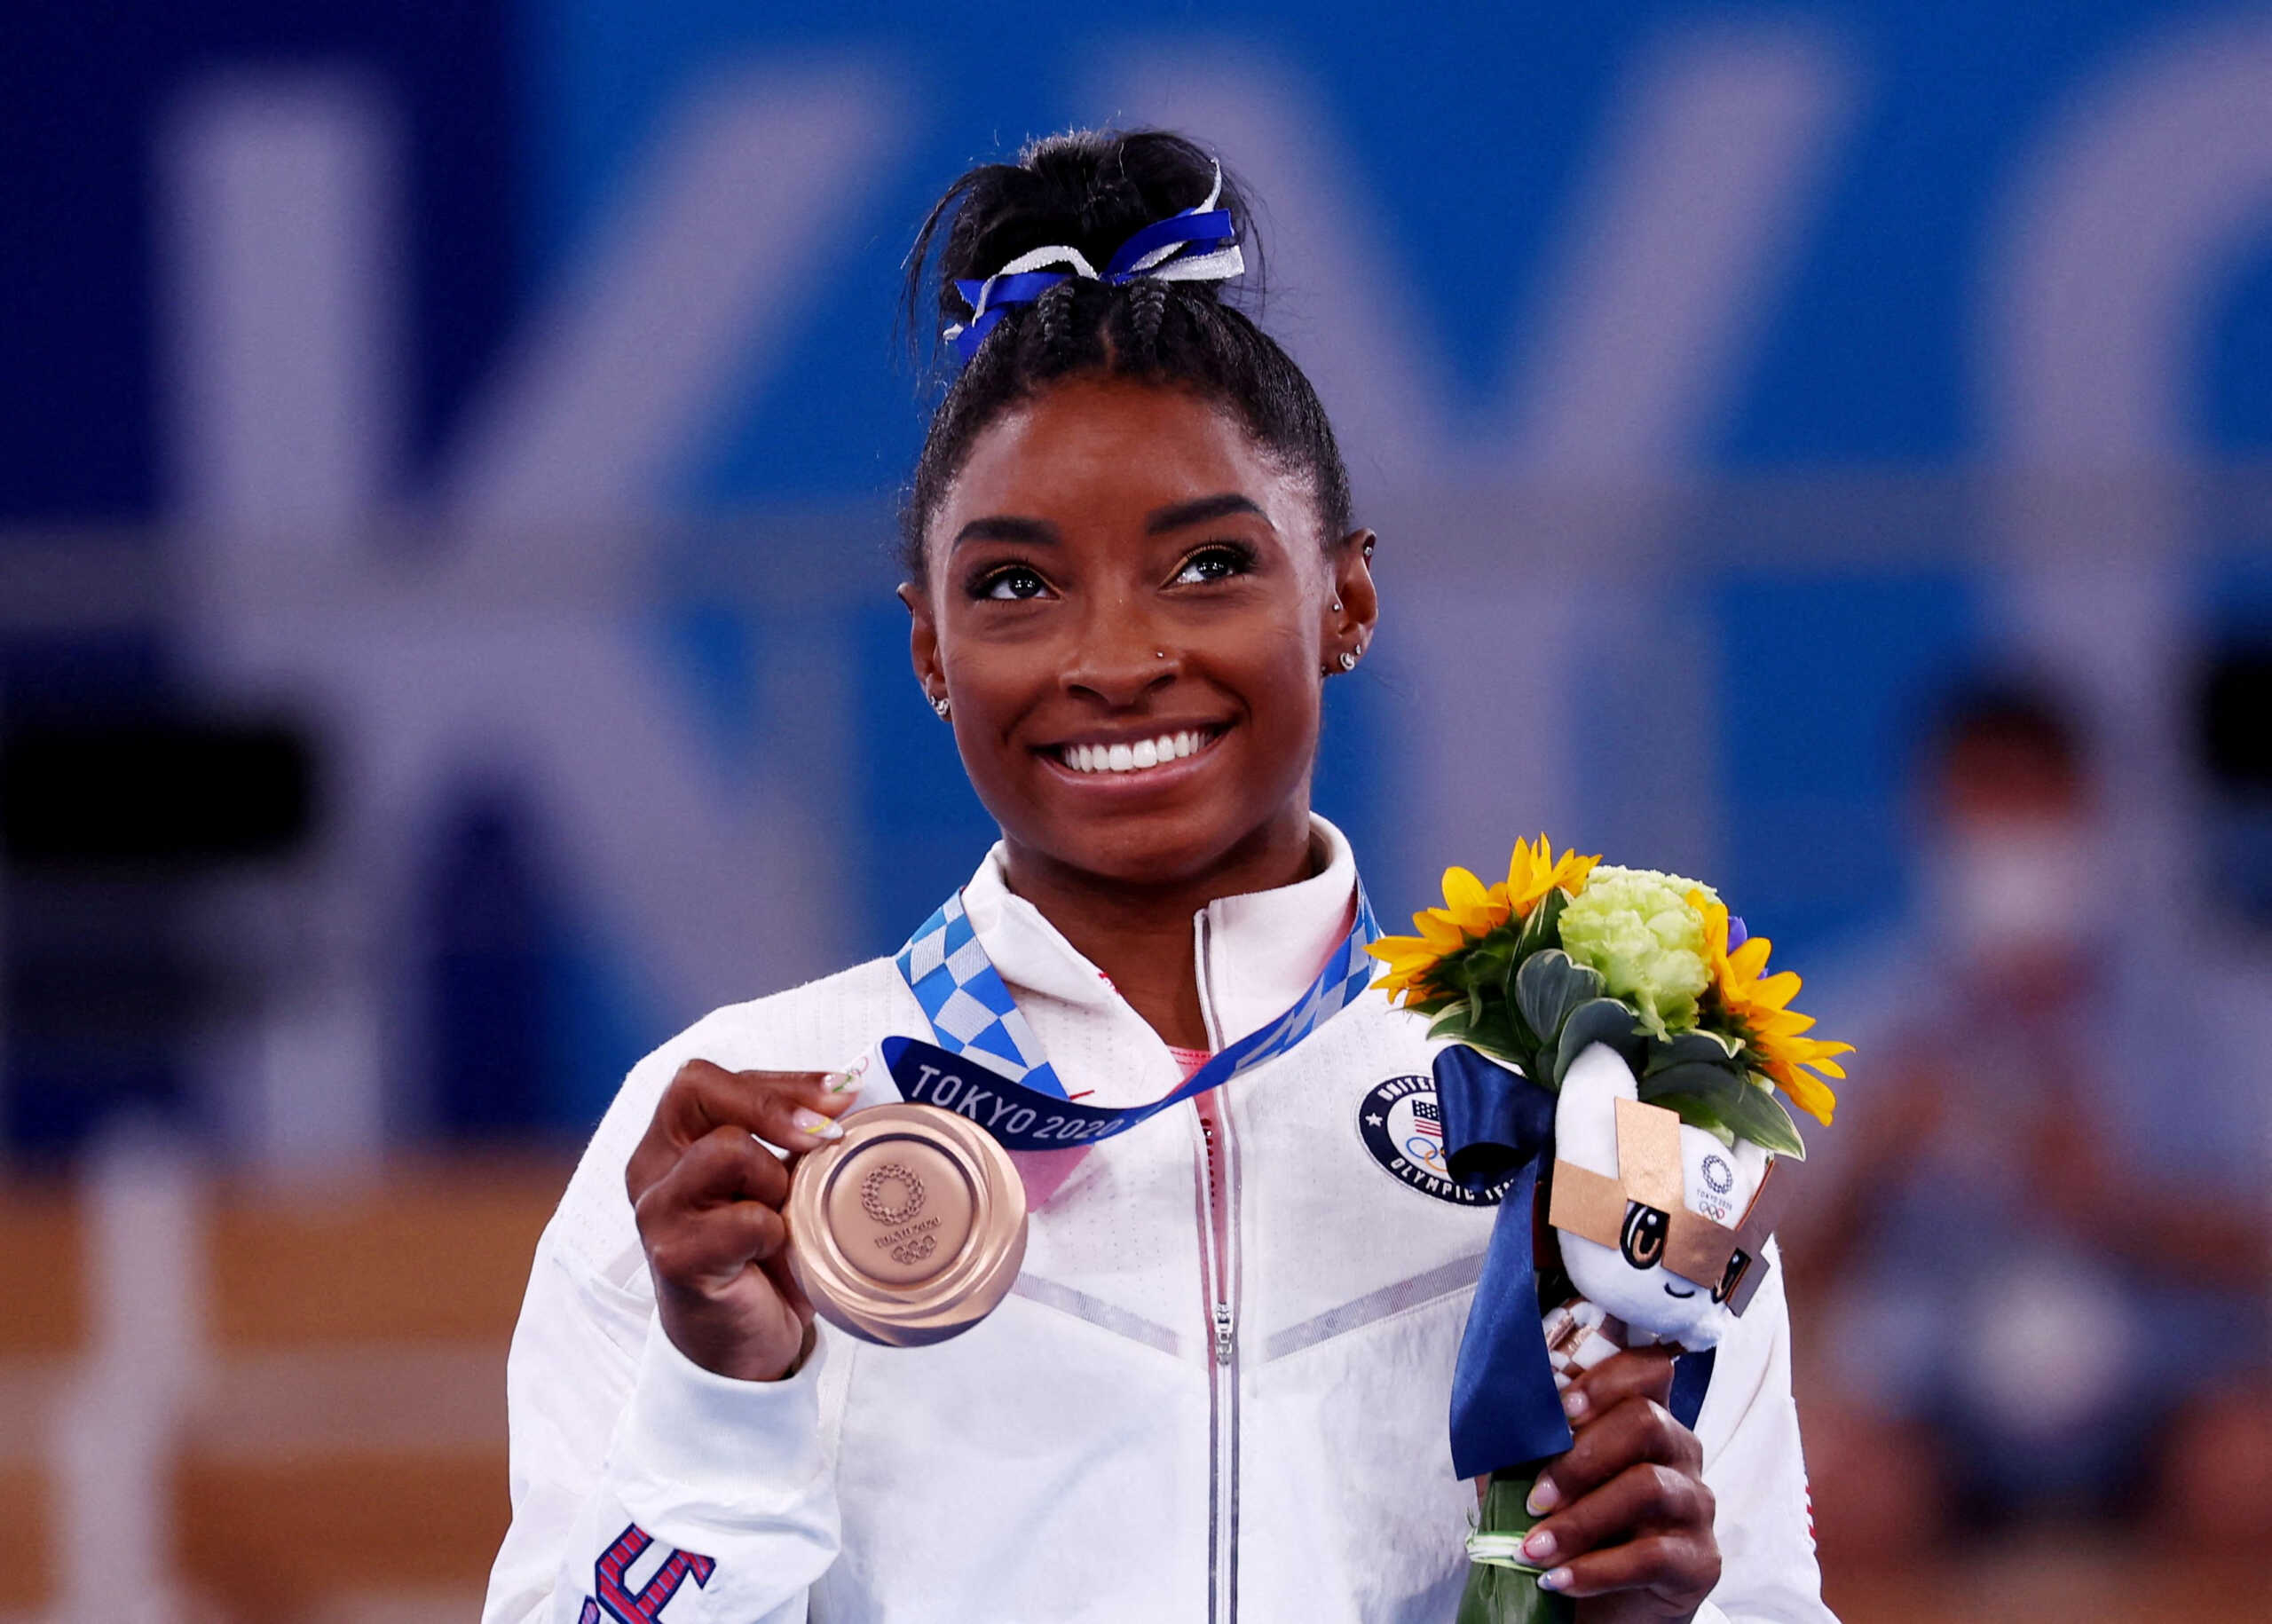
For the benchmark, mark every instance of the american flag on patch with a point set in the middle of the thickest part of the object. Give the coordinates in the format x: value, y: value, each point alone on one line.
x: 1426, y: 1118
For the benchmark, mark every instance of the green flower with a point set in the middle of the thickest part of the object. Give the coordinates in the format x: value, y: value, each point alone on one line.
x: 1639, y: 930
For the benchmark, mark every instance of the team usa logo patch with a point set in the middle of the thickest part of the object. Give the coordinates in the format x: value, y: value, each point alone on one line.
x: 1403, y: 1129
x: 616, y: 1602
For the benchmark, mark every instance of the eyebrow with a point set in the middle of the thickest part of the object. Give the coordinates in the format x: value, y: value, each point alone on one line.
x: 1001, y: 527
x: 1200, y: 512
x: 1040, y: 533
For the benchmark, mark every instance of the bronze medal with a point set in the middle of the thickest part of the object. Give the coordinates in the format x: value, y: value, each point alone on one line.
x: 908, y: 1230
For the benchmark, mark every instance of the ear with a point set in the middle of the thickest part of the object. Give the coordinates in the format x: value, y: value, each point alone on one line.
x: 923, y: 640
x: 1350, y: 564
x: 1585, y: 1115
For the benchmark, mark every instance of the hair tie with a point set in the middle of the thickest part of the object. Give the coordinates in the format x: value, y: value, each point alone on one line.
x: 1198, y: 244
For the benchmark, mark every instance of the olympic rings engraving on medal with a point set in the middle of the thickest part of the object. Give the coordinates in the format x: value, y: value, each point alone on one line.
x: 871, y: 1196
x: 908, y: 1230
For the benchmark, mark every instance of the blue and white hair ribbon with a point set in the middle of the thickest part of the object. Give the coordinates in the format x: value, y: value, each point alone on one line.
x: 1198, y: 244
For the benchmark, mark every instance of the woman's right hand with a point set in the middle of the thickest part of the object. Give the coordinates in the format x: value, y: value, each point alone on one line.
x: 708, y: 1199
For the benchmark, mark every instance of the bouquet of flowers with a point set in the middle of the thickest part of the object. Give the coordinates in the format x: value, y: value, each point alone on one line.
x: 1619, y: 988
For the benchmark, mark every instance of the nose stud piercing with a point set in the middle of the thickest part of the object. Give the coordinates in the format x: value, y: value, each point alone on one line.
x: 1159, y: 654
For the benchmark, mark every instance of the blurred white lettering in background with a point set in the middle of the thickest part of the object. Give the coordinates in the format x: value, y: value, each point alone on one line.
x: 508, y: 639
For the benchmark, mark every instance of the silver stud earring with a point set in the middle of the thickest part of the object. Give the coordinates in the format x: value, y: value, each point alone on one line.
x: 1336, y: 606
x: 939, y: 703
x: 1348, y: 660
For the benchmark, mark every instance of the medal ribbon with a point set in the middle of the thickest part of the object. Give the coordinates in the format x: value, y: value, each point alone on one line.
x: 987, y: 1064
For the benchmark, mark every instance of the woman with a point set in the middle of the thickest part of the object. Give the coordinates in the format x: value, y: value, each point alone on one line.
x: 1222, y: 1380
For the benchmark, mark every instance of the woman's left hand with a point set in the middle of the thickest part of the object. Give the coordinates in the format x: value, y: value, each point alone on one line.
x: 1629, y: 1529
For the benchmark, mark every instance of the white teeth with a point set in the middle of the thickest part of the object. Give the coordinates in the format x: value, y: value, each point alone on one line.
x: 1132, y: 758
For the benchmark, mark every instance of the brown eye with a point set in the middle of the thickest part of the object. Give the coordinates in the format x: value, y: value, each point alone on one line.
x: 1220, y: 562
x: 1014, y: 584
x: 1642, y: 1239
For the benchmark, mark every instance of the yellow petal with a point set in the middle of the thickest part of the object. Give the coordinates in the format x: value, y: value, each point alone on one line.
x: 1776, y: 990
x: 1438, y: 930
x: 1748, y: 960
x: 1813, y: 1097
x: 1462, y: 890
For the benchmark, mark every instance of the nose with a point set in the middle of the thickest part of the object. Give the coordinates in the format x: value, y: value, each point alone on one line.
x: 1119, y: 657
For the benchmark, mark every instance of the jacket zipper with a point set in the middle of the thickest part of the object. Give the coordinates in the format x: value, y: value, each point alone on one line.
x: 1218, y: 1251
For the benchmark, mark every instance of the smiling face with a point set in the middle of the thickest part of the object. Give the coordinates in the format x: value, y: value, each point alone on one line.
x: 1130, y: 608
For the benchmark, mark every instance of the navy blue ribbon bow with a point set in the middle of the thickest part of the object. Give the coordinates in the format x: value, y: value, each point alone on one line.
x: 1506, y: 1411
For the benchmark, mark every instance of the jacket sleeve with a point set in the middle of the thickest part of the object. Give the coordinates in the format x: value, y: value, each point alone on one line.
x: 1765, y: 1520
x: 636, y: 1476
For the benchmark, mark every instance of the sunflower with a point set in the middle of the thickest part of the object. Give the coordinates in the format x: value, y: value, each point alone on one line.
x: 1471, y: 912
x: 1757, y: 1006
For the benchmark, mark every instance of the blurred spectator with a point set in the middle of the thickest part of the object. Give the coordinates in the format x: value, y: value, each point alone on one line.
x: 2030, y: 1292
x: 2234, y: 719
x: 487, y: 972
x: 126, y: 832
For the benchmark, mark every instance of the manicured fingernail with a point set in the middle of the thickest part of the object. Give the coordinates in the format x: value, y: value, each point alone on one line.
x: 1543, y: 1497
x: 1574, y: 1404
x: 806, y: 1120
x: 841, y: 1082
x: 1539, y: 1547
x: 1557, y: 1580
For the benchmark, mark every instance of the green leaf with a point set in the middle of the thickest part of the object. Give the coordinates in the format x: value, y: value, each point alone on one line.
x: 1697, y: 1048
x: 1497, y: 1595
x: 1544, y: 928
x: 1758, y: 1116
x: 1452, y: 1024
x: 1549, y: 986
x: 1487, y: 966
x: 1693, y: 1079
x: 1508, y: 1001
x: 1598, y: 1020
x: 1699, y: 1113
x: 1499, y: 1032
x: 1490, y: 1037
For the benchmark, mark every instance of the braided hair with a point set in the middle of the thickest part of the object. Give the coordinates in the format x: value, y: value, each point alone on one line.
x: 1092, y: 191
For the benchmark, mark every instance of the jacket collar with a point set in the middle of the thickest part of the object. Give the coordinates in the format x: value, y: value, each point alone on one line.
x: 1257, y: 953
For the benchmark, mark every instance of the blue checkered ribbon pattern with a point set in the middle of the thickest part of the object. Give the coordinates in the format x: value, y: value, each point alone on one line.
x: 988, y: 1065
x: 968, y: 1003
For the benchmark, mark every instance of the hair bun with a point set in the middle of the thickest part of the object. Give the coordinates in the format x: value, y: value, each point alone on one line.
x: 1150, y: 307
x: 1088, y: 190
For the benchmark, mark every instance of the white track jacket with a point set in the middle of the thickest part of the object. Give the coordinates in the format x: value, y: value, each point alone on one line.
x: 1207, y: 1398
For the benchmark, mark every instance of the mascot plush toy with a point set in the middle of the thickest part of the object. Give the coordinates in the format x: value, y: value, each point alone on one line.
x: 1662, y: 1228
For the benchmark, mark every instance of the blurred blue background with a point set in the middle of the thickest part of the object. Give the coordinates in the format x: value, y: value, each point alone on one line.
x: 600, y: 308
